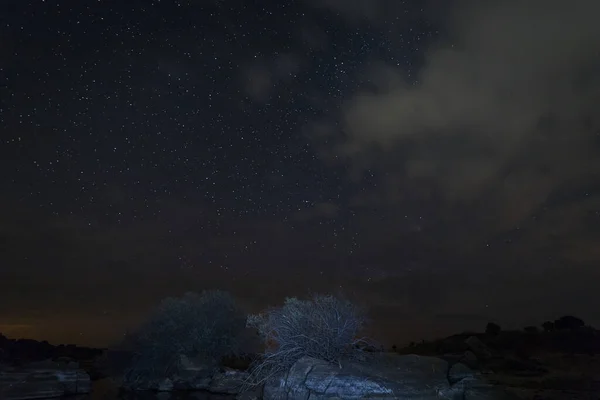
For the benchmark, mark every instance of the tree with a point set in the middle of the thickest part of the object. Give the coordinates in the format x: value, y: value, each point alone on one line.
x: 204, y: 327
x: 568, y: 322
x: 324, y: 327
x: 492, y: 329
x: 548, y: 326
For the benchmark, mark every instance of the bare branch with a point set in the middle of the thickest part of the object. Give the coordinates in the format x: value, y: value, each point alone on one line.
x: 324, y: 327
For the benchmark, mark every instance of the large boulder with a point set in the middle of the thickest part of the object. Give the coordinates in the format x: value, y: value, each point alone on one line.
x: 458, y: 372
x: 470, y: 359
x: 379, y: 376
x: 313, y: 379
x: 481, y: 351
x: 43, y: 380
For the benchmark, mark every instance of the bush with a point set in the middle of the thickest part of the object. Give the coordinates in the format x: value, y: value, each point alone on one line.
x: 324, y: 327
x: 205, y: 327
x: 548, y: 326
x: 492, y: 329
x: 568, y: 322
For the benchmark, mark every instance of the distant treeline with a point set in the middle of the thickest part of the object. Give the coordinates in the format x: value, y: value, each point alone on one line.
x: 19, y: 351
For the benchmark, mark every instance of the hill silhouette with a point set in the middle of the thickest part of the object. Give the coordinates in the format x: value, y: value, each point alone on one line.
x: 567, y: 334
x: 22, y: 351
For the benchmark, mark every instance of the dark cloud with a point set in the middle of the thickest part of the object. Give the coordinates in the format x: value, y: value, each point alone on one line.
x: 260, y: 79
x: 503, y: 110
x: 486, y: 162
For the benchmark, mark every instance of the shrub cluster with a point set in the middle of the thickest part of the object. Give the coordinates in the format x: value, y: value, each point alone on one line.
x: 209, y: 326
x: 206, y: 327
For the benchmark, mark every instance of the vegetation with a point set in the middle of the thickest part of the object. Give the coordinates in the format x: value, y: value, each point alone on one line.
x: 568, y: 322
x: 567, y: 334
x: 548, y: 326
x: 204, y: 327
x: 324, y: 327
x: 564, y: 323
x: 492, y: 329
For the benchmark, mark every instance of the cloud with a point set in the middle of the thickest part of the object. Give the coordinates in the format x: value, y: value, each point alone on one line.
x: 260, y: 78
x: 504, y: 109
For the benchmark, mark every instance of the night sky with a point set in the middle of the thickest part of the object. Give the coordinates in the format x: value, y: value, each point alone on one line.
x: 436, y: 161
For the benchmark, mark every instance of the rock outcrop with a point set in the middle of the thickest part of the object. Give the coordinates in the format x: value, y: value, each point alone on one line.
x: 374, y: 376
x: 195, y: 377
x: 478, y: 348
x: 43, y: 380
x: 381, y: 376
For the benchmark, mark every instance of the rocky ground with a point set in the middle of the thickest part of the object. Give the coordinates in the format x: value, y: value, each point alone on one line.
x: 509, y: 365
x: 43, y: 379
x: 540, y: 366
x: 575, y: 377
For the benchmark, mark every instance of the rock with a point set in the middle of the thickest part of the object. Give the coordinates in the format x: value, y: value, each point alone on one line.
x: 458, y: 372
x: 166, y: 385
x: 481, y: 351
x: 516, y: 367
x: 163, y: 396
x: 251, y: 394
x: 470, y: 359
x: 191, y: 376
x: 472, y: 388
x: 382, y: 377
x: 228, y: 382
x: 191, y: 382
x: 42, y: 380
x: 64, y: 360
x: 195, y: 376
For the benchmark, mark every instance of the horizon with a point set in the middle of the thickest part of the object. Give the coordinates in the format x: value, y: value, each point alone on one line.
x: 12, y: 332
x: 438, y: 164
x: 385, y: 345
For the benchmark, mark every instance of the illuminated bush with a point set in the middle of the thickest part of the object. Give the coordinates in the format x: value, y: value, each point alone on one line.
x: 324, y: 327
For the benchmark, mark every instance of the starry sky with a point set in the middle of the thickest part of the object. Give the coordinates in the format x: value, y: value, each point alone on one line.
x: 438, y: 162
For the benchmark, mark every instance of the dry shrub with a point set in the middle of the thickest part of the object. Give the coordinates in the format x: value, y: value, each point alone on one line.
x: 324, y: 327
